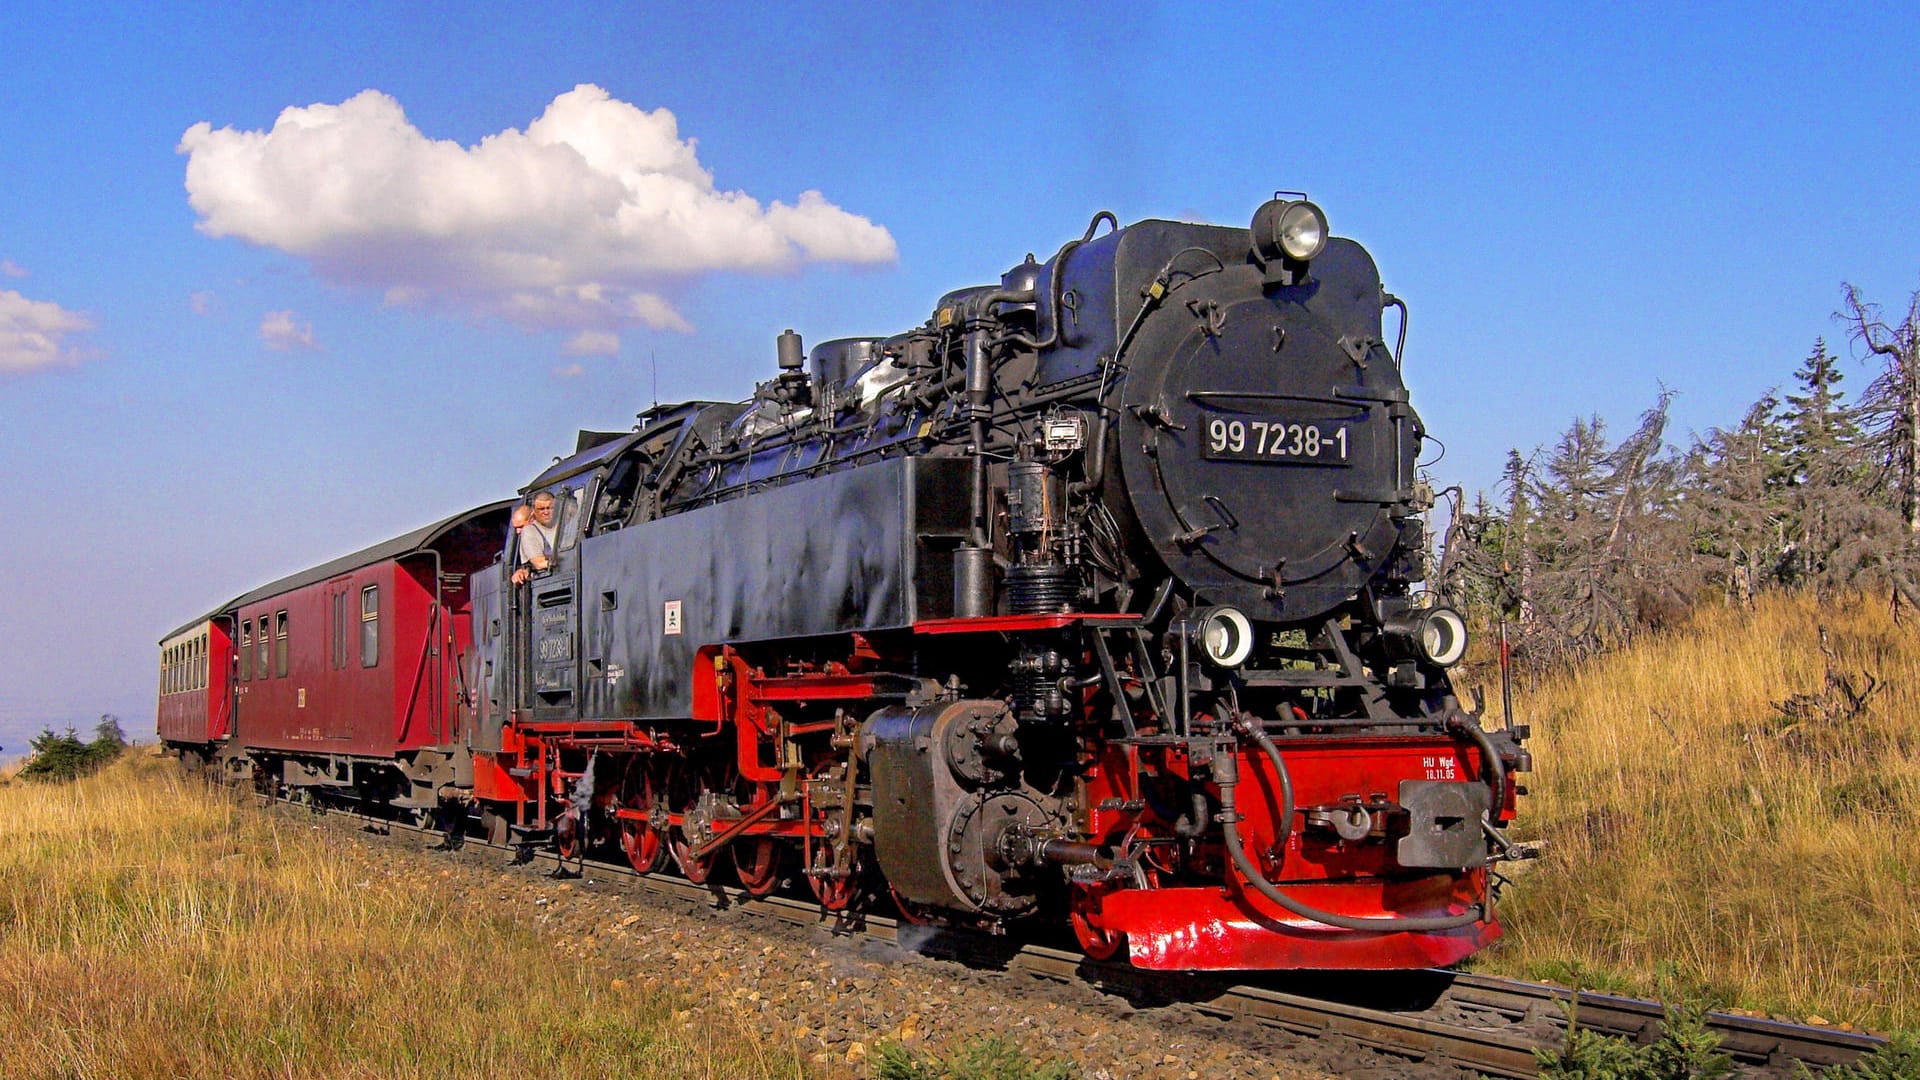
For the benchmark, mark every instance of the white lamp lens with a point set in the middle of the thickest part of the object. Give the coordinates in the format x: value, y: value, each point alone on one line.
x: 1443, y: 637
x: 1226, y: 637
x: 1303, y: 231
x: 1219, y: 638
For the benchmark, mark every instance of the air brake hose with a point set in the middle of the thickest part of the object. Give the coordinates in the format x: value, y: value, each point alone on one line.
x: 1227, y: 775
x: 1462, y: 724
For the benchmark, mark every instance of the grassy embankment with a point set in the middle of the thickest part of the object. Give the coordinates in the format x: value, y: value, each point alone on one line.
x: 1706, y: 842
x: 152, y: 927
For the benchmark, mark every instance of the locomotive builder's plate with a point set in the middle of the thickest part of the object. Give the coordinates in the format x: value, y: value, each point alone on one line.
x: 1277, y: 441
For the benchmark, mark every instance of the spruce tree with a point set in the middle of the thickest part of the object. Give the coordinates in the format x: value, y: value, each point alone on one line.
x: 1821, y: 429
x: 1738, y: 484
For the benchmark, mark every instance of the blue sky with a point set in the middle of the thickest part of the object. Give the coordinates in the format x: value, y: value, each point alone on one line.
x: 201, y: 395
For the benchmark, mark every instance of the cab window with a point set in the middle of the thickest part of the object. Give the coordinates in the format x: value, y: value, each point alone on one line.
x: 613, y: 507
x: 567, y: 508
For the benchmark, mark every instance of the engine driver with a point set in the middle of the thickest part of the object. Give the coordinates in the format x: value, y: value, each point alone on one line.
x: 536, y: 540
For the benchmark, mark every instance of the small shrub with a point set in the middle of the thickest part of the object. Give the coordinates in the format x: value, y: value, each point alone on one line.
x: 991, y: 1058
x: 65, y: 757
x: 1898, y: 1060
x: 1686, y: 1050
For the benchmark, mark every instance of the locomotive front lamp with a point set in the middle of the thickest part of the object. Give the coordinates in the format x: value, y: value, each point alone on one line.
x: 1302, y: 230
x: 1443, y: 637
x: 1225, y: 636
x: 1436, y: 635
x: 1291, y: 229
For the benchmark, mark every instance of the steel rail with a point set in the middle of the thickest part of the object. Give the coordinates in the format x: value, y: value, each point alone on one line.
x: 1519, y: 1017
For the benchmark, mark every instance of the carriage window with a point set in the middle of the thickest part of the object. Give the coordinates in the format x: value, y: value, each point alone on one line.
x: 166, y: 671
x: 340, y: 629
x: 246, y: 651
x: 280, y: 644
x: 370, y: 626
x: 205, y: 662
x: 262, y: 643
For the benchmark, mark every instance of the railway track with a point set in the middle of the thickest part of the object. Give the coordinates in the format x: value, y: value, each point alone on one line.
x: 1477, y: 1022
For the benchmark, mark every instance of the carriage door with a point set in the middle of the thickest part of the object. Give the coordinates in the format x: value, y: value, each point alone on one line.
x: 554, y: 618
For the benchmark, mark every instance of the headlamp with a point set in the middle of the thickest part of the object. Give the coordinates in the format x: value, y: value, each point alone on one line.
x: 1436, y: 635
x: 1302, y: 230
x: 1224, y: 634
x: 1442, y: 637
x: 1291, y: 229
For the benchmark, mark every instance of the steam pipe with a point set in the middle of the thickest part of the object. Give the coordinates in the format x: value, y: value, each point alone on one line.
x: 1390, y: 300
x: 1194, y: 822
x: 1226, y: 774
x: 1053, y: 279
x: 1095, y: 465
x: 1461, y: 724
x: 1074, y: 852
x: 979, y: 395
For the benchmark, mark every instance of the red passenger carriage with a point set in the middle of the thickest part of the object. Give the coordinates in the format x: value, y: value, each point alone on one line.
x: 348, y: 675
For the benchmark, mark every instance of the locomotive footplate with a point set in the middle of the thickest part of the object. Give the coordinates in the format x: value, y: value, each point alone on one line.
x: 1214, y: 929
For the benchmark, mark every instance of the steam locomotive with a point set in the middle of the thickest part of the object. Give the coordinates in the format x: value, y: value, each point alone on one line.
x: 1093, y: 597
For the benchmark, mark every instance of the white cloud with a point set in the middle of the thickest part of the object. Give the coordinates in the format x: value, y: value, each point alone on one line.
x: 576, y: 223
x: 280, y: 331
x: 592, y: 343
x: 33, y: 333
x: 571, y: 371
x: 202, y: 302
x: 9, y: 268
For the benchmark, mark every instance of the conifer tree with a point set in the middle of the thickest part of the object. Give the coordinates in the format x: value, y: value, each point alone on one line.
x: 1825, y: 510
x: 1516, y: 558
x: 1822, y: 430
x: 1737, y: 483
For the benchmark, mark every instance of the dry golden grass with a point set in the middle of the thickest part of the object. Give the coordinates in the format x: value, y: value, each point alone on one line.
x: 151, y: 927
x: 1703, y: 842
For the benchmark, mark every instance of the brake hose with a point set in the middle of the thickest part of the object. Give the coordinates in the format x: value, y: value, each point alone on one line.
x: 1227, y: 774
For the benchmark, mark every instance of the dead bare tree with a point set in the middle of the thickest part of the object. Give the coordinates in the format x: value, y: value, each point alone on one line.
x: 1891, y: 405
x: 1890, y: 411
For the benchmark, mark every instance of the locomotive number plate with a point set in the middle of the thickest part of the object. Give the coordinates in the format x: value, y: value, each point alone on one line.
x: 1279, y: 442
